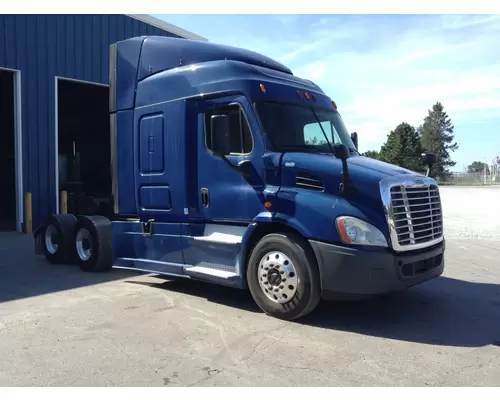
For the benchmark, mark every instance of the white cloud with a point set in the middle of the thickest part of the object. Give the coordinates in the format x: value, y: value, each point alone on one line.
x: 464, y: 21
x: 314, y: 71
x: 287, y: 19
x: 301, y: 48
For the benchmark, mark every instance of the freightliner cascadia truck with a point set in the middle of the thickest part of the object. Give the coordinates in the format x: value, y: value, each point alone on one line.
x: 227, y: 168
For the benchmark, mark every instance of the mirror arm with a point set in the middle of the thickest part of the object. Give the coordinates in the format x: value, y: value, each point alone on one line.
x: 346, y: 188
x: 241, y: 169
x: 429, y: 167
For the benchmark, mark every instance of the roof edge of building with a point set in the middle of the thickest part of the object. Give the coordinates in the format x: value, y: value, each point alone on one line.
x: 148, y: 19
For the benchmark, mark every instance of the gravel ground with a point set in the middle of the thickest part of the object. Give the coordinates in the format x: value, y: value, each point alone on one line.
x: 471, y: 213
x: 62, y: 327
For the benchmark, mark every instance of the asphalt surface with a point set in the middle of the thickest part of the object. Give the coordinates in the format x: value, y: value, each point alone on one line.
x: 63, y: 327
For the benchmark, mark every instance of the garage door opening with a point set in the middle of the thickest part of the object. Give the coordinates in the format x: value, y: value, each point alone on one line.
x: 84, y: 159
x: 7, y: 152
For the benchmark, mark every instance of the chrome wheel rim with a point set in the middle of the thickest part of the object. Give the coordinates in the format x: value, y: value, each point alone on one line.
x: 84, y: 244
x: 51, y: 239
x: 277, y: 277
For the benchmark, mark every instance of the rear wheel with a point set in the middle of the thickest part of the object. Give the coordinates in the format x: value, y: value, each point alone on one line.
x: 57, y: 238
x: 283, y: 276
x: 93, y: 244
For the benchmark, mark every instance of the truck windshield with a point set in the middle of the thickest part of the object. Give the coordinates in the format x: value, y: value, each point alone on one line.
x: 291, y: 127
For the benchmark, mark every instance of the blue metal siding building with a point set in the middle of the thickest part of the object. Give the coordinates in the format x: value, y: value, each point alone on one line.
x: 39, y: 48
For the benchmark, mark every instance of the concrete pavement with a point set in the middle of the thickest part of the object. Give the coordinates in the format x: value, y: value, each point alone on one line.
x: 60, y: 326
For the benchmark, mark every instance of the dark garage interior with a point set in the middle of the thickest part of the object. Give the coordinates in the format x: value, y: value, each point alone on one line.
x: 7, y: 152
x: 84, y: 146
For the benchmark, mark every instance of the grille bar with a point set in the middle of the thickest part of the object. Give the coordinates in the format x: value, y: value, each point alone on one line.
x: 431, y: 203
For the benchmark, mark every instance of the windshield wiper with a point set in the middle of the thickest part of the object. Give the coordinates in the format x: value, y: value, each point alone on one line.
x: 302, y: 146
x: 322, y: 130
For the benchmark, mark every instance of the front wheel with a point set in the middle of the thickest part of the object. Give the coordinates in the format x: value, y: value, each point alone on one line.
x: 283, y: 276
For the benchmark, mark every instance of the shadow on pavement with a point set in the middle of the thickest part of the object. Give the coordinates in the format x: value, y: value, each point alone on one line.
x: 24, y: 274
x: 445, y: 312
x: 234, y: 298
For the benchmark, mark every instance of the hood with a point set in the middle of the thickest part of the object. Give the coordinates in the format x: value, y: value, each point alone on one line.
x: 363, y: 170
x: 378, y: 166
x: 365, y: 173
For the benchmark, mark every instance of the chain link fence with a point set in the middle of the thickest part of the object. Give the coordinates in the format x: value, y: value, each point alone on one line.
x: 485, y: 178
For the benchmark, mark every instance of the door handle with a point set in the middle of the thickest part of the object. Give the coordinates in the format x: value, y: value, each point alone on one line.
x: 205, y: 198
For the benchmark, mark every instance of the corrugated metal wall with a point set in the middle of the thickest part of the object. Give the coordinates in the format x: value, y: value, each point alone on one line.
x: 45, y: 46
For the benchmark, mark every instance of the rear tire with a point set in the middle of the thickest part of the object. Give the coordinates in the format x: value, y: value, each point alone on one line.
x: 92, y: 241
x: 57, y: 238
x: 283, y: 276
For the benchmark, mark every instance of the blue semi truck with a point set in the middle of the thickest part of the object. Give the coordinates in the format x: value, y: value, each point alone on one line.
x: 227, y: 168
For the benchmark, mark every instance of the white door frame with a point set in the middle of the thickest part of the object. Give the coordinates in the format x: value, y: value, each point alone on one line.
x: 56, y: 129
x: 18, y: 147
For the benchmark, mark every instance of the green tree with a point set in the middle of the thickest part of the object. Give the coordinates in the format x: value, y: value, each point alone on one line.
x: 315, y: 141
x: 372, y: 154
x: 478, y: 167
x: 436, y: 135
x: 403, y: 148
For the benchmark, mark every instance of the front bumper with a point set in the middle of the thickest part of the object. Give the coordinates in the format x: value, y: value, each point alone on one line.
x: 347, y: 271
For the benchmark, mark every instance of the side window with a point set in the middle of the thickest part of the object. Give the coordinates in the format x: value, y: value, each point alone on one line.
x: 241, y: 137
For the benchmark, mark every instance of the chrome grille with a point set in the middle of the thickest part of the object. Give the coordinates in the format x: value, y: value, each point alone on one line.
x: 416, y: 214
x: 413, y: 210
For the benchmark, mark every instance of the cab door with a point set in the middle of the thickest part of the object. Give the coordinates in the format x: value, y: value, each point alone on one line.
x: 227, y: 202
x: 224, y: 194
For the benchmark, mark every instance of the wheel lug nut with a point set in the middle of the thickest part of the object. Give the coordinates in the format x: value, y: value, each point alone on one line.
x: 276, y: 290
x: 281, y: 287
x: 282, y: 272
x: 266, y: 282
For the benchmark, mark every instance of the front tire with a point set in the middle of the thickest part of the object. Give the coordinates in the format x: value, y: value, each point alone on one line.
x: 283, y: 277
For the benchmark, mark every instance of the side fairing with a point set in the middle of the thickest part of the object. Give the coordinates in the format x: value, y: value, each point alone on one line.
x: 313, y: 214
x: 309, y: 199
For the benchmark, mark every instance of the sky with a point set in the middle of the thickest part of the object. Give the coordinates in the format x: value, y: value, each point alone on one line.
x: 382, y: 70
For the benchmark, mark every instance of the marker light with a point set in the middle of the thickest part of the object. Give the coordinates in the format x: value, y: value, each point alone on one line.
x: 299, y: 95
x: 306, y: 95
x: 262, y: 88
x: 314, y: 98
x: 334, y: 104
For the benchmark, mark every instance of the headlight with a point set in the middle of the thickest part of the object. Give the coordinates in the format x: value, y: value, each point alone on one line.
x: 355, y: 231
